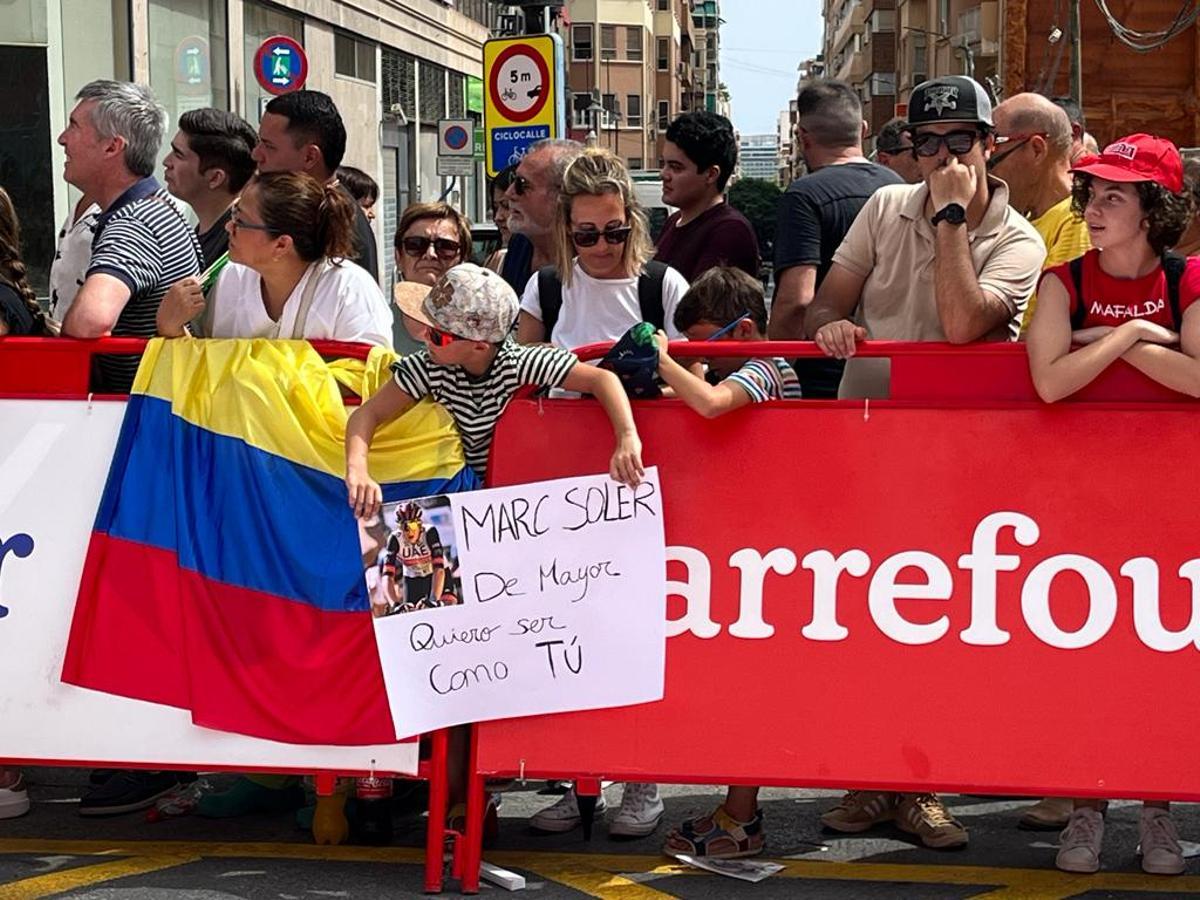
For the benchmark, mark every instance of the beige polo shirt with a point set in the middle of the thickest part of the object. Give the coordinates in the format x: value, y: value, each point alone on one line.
x: 891, y: 245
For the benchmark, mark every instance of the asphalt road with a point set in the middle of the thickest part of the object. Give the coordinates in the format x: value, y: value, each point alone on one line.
x: 52, y: 852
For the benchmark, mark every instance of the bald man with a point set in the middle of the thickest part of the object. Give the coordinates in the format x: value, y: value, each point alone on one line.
x: 1033, y: 156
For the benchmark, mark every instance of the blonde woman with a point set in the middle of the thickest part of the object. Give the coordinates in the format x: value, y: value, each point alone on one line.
x: 602, y: 281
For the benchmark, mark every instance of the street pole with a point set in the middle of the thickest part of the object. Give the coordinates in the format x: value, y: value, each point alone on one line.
x: 1076, y: 86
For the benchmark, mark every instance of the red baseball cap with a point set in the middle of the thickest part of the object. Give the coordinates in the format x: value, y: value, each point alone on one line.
x: 1138, y: 157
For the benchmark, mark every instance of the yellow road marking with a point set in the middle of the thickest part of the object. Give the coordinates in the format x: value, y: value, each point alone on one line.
x: 85, y: 876
x: 591, y: 873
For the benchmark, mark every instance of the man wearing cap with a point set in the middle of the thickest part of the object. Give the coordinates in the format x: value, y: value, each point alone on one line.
x: 1033, y: 157
x: 944, y: 260
x: 893, y: 149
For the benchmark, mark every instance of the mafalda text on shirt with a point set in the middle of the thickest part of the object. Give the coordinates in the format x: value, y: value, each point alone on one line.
x: 983, y: 568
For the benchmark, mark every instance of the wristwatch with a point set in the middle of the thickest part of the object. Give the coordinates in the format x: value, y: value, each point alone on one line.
x: 954, y: 213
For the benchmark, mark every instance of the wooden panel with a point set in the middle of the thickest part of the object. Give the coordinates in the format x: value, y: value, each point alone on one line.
x: 1123, y: 91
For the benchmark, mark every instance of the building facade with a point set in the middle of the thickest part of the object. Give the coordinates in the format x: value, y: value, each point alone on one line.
x: 860, y: 49
x: 634, y: 65
x: 947, y: 37
x: 758, y: 156
x: 393, y: 69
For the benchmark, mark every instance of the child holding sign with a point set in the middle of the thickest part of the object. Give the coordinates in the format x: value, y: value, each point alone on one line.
x: 472, y: 368
x: 725, y: 304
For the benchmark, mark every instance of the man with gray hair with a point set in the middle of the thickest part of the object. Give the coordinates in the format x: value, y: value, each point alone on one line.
x: 143, y: 244
x: 816, y: 212
x: 1033, y: 157
x: 533, y: 201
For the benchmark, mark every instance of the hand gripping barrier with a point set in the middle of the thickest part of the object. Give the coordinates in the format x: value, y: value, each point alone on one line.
x: 958, y: 588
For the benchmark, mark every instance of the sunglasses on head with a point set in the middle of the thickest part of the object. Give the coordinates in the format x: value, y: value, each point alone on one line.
x: 610, y: 235
x: 445, y: 248
x: 926, y: 143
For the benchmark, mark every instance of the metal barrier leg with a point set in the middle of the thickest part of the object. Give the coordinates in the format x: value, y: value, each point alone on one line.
x: 435, y: 828
x: 587, y: 792
x: 472, y: 844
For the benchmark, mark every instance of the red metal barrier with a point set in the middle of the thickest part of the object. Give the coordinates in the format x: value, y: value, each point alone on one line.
x: 861, y: 591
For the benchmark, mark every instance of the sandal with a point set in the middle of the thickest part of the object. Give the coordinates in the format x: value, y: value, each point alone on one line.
x: 717, y: 836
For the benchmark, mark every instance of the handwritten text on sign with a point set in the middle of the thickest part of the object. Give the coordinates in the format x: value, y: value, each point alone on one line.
x: 564, y: 608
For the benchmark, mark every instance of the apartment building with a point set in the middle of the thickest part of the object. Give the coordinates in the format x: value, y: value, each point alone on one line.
x: 393, y: 69
x: 634, y: 65
x: 947, y: 37
x: 758, y: 156
x: 860, y: 49
x: 791, y: 154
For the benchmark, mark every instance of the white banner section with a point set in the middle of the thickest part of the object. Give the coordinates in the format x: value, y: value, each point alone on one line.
x: 55, y: 456
x: 552, y: 598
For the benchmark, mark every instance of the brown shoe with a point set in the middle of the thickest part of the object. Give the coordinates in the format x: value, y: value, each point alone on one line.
x: 1050, y: 814
x: 860, y: 810
x: 925, y: 816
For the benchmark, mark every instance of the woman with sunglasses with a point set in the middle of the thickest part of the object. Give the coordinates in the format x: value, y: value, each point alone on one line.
x: 430, y: 239
x: 287, y: 277
x: 602, y: 245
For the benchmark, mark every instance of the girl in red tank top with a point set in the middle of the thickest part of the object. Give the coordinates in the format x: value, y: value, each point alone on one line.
x: 1133, y: 200
x: 1116, y: 303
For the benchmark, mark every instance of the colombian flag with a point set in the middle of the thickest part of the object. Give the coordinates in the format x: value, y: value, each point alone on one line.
x: 225, y: 570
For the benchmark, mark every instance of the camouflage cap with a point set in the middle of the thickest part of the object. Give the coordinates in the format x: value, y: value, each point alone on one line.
x: 468, y: 301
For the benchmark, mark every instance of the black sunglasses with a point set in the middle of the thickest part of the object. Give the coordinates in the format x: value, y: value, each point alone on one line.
x: 521, y: 185
x: 926, y: 143
x: 610, y: 235
x: 445, y: 248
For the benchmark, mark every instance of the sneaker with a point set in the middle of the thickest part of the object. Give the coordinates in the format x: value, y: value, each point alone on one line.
x: 1161, y: 853
x: 128, y: 791
x: 14, y: 800
x: 1049, y: 814
x: 926, y: 816
x: 641, y: 811
x: 860, y: 810
x: 1079, y: 844
x: 563, y: 815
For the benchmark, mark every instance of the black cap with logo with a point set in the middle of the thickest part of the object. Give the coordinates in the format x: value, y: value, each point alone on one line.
x: 951, y: 98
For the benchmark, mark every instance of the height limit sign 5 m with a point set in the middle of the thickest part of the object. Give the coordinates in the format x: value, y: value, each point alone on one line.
x: 524, y: 98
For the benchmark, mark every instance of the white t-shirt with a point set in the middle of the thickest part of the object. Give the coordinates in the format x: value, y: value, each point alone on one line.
x: 347, y: 306
x: 71, y: 259
x: 595, y: 310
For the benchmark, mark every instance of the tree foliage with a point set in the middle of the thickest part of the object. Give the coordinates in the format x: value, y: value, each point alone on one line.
x: 758, y: 201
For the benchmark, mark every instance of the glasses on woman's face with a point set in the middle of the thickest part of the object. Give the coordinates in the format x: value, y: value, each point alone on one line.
x: 235, y: 218
x: 611, y: 236
x: 926, y: 143
x: 445, y: 248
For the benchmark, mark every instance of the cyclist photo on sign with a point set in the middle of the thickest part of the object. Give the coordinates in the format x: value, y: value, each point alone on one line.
x: 416, y: 566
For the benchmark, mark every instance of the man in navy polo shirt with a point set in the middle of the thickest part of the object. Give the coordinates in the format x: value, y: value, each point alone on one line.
x: 143, y: 244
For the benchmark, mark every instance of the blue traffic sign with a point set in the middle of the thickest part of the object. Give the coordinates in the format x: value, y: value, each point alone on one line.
x: 509, y: 144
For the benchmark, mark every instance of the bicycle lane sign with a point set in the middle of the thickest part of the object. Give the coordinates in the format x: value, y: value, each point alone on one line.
x: 523, y: 97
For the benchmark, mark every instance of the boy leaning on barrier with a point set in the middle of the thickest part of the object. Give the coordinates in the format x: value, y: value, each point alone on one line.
x: 471, y: 365
x: 725, y: 304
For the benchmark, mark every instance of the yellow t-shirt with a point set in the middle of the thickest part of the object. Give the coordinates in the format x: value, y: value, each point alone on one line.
x: 1066, y: 237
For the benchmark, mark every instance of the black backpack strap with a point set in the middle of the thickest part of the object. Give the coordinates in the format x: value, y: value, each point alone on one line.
x: 550, y: 297
x: 650, y: 293
x: 1080, y: 313
x: 1173, y: 265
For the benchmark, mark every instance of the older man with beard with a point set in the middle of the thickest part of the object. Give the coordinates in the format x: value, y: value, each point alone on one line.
x: 532, y: 202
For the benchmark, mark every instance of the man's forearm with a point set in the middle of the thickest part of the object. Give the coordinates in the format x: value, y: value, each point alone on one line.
x: 965, y: 311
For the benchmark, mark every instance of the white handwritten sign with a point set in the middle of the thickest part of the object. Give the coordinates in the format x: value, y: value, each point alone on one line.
x: 558, y: 603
